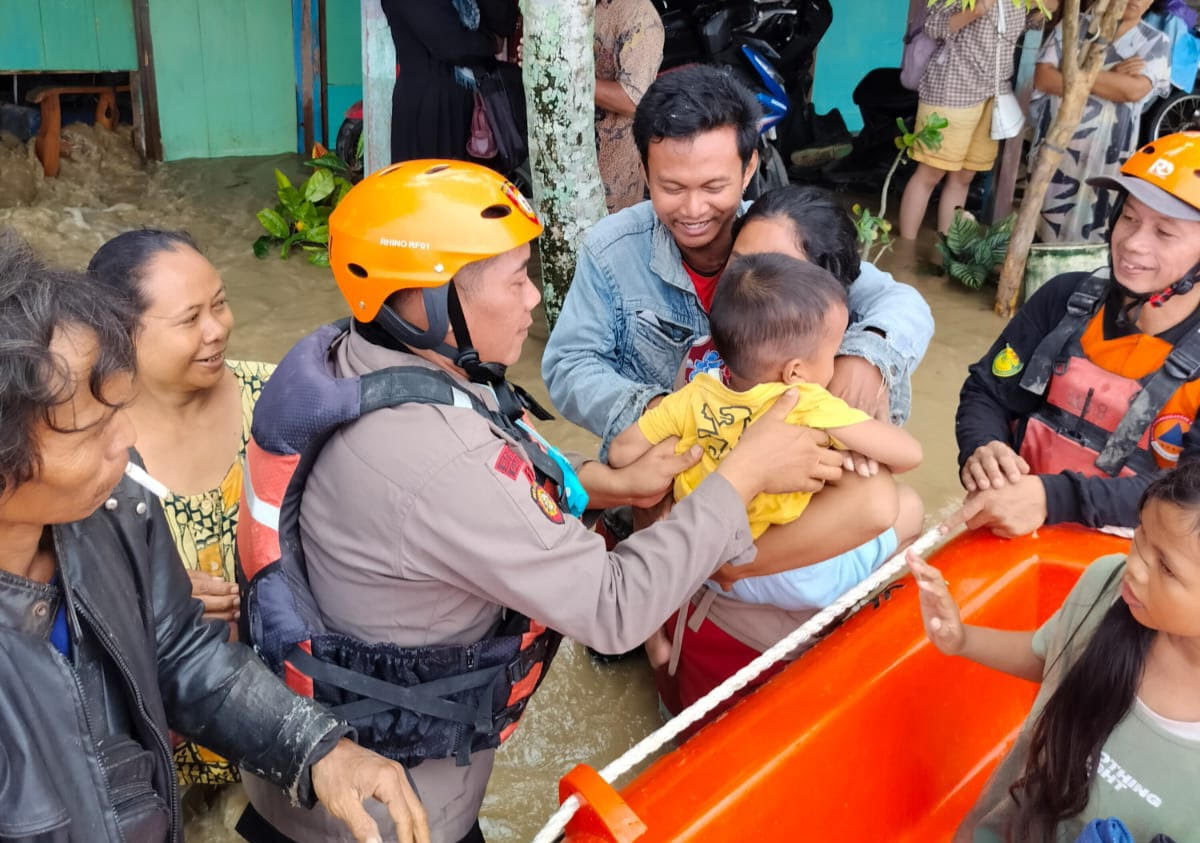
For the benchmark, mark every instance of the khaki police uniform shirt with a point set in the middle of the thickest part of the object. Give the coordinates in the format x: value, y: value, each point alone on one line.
x: 419, y: 523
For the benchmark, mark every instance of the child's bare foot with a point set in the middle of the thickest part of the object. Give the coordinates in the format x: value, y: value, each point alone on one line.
x: 658, y: 649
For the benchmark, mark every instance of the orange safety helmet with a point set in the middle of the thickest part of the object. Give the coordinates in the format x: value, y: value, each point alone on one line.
x: 1164, y: 174
x: 417, y: 223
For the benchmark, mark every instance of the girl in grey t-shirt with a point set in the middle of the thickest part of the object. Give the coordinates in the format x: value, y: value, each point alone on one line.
x: 1115, y: 728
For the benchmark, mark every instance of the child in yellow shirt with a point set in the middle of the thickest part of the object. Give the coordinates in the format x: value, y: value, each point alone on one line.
x: 777, y: 322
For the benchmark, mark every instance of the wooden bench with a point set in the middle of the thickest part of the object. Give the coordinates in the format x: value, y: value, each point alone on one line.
x: 48, y: 140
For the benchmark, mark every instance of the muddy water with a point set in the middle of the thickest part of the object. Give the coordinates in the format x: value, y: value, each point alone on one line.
x: 584, y: 712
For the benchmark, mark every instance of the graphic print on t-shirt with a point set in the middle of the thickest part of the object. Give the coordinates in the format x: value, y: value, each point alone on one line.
x: 710, y: 435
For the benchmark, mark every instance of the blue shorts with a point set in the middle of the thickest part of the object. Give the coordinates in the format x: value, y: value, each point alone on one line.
x: 816, y: 586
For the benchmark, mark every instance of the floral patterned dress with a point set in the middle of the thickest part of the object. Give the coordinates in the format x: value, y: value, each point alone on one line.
x: 204, y: 527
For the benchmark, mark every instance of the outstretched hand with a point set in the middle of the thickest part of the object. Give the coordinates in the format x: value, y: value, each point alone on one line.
x: 349, y: 774
x: 939, y: 612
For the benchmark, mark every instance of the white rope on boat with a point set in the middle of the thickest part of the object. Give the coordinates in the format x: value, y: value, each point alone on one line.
x: 694, y: 713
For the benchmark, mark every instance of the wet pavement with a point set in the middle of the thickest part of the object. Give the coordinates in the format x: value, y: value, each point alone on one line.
x: 584, y: 712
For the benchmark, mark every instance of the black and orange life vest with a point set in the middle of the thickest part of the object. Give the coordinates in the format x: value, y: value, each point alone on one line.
x: 407, y: 703
x: 1112, y: 407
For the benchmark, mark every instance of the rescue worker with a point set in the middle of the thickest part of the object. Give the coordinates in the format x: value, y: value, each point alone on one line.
x: 1094, y: 385
x: 421, y: 524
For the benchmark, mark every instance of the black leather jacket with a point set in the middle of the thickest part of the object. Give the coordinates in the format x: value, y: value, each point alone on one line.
x: 84, y: 752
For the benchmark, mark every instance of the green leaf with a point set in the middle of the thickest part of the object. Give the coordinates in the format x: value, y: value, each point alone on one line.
x: 962, y: 233
x: 291, y: 200
x: 320, y: 258
x: 1000, y: 248
x: 901, y: 125
x: 328, y: 161
x: 286, y: 248
x: 262, y: 245
x: 343, y: 187
x: 281, y: 181
x: 275, y: 225
x: 307, y: 215
x: 318, y: 186
x: 317, y: 234
x: 965, y: 274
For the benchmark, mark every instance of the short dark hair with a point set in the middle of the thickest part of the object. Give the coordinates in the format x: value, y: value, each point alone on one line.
x: 768, y: 305
x: 35, y: 302
x: 824, y: 231
x: 694, y: 99
x: 121, y: 262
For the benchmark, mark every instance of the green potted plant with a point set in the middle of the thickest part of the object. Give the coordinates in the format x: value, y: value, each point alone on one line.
x: 301, y: 216
x: 972, y: 251
x: 874, y: 231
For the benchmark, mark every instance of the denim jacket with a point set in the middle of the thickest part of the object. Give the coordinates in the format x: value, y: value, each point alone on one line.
x: 624, y: 331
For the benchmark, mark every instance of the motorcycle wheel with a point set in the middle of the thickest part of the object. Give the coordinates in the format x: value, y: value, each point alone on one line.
x: 1179, y: 112
x: 771, y: 172
x: 346, y: 146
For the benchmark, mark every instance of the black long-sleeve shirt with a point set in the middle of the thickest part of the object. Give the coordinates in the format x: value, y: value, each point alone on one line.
x: 990, y: 408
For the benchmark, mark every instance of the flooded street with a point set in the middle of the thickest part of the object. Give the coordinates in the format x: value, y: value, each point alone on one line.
x: 584, y: 712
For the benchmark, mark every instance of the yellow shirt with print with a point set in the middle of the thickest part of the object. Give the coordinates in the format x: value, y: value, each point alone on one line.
x: 710, y: 414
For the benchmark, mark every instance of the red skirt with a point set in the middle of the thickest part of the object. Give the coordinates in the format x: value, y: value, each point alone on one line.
x: 708, y: 657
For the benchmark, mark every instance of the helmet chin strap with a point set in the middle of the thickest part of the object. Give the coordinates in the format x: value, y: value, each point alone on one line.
x: 443, y: 311
x: 512, y: 399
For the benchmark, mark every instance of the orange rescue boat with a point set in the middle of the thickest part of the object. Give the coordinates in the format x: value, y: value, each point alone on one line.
x: 871, y: 735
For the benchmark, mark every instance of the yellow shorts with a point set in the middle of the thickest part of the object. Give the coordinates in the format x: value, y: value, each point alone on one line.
x: 966, y: 143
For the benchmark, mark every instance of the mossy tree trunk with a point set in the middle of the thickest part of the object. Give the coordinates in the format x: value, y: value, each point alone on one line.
x: 1080, y: 65
x: 560, y: 85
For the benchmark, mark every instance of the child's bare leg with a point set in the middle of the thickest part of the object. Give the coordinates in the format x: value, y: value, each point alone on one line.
x: 911, y: 516
x: 838, y: 518
x: 658, y: 649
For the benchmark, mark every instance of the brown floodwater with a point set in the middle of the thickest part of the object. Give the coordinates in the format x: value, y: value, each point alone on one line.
x: 584, y: 712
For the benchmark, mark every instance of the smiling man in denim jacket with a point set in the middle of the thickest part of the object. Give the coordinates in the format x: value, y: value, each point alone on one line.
x: 645, y: 275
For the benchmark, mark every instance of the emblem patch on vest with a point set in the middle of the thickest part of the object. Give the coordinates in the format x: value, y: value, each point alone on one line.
x: 1166, y: 437
x: 1006, y: 363
x: 546, y: 503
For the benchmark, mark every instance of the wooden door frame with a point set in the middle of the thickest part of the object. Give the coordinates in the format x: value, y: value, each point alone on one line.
x: 145, y: 100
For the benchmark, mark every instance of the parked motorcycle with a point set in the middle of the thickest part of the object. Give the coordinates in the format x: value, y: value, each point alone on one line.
x: 753, y: 39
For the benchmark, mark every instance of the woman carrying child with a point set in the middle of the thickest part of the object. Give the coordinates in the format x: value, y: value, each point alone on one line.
x: 1115, y: 729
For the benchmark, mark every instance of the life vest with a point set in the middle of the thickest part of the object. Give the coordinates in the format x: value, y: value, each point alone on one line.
x: 1096, y: 421
x: 407, y: 703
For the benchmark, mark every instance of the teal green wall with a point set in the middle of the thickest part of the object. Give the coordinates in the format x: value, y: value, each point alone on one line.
x: 343, y: 59
x: 865, y: 34
x: 226, y: 84
x: 67, y: 35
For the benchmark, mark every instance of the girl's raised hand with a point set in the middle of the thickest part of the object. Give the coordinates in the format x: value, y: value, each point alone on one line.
x: 939, y: 612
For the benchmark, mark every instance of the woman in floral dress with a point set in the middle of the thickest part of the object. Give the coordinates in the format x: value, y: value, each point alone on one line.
x: 192, y: 413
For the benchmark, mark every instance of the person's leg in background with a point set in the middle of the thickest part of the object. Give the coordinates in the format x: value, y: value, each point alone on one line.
x: 954, y: 196
x: 916, y: 198
x: 946, y: 160
x: 979, y: 157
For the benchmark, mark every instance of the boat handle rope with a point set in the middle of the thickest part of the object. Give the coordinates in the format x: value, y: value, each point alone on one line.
x: 695, y: 712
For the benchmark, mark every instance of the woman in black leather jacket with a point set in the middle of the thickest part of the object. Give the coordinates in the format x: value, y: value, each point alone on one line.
x: 101, y: 644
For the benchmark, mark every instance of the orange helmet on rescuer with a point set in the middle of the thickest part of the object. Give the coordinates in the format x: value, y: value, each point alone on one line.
x: 417, y: 223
